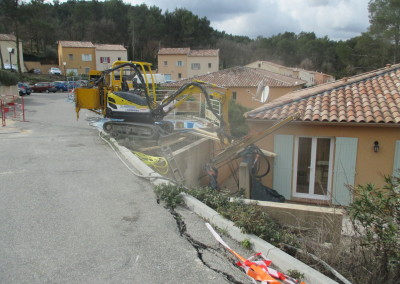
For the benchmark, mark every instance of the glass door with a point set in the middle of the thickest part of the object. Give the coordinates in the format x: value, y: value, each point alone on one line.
x: 313, y: 167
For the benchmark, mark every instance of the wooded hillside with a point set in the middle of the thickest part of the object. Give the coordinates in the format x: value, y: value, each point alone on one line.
x: 143, y: 30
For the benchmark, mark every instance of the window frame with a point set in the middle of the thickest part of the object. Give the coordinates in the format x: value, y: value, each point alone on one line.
x: 311, y: 189
x: 86, y: 57
x: 108, y: 60
x: 195, y: 66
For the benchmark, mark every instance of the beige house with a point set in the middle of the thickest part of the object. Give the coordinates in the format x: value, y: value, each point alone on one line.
x: 312, y: 78
x: 79, y: 57
x: 8, y: 48
x: 348, y: 133
x: 244, y: 83
x: 181, y: 63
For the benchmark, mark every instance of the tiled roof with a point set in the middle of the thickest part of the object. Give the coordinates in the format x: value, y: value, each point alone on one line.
x: 174, y: 51
x: 372, y: 97
x: 204, y: 52
x: 289, y: 68
x: 242, y: 77
x: 187, y: 51
x: 76, y: 43
x: 111, y: 47
x: 7, y: 37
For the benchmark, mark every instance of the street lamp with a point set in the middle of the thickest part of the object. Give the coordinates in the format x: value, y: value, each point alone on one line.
x: 65, y: 73
x: 10, y: 51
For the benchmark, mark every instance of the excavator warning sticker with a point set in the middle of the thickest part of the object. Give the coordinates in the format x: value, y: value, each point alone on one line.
x: 133, y: 109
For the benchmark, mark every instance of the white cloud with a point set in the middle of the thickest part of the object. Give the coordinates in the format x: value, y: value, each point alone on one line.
x: 338, y: 19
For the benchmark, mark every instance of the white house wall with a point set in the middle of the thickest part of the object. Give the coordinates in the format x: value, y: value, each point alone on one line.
x: 114, y: 56
x: 6, y: 56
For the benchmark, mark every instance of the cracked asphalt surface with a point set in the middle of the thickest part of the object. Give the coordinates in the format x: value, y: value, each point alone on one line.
x: 70, y: 212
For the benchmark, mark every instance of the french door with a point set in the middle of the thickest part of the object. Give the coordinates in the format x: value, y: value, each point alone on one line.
x: 313, y: 167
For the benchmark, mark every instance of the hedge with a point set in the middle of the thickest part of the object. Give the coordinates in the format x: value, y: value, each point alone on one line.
x: 8, y: 78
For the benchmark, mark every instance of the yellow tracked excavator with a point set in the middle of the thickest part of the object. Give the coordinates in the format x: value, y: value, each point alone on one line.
x: 126, y: 93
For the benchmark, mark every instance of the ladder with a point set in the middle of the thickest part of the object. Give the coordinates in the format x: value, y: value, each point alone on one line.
x: 172, y: 164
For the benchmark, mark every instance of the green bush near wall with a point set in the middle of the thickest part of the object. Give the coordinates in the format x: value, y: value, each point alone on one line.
x: 8, y: 78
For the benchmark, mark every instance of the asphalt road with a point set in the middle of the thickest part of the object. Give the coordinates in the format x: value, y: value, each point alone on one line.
x: 70, y: 212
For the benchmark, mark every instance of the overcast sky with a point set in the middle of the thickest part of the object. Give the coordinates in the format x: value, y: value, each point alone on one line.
x: 338, y: 19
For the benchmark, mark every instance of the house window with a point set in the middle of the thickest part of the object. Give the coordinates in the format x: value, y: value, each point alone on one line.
x: 313, y: 167
x: 167, y: 77
x: 87, y: 69
x: 195, y: 66
x: 104, y: 59
x: 180, y: 75
x: 119, y: 58
x: 179, y: 63
x: 86, y: 57
x: 209, y: 65
x: 259, y: 65
x: 70, y: 57
x: 165, y: 63
x: 72, y: 71
x: 234, y: 94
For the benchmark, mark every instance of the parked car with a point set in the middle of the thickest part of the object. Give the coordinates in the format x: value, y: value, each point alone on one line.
x: 24, y: 89
x: 43, y: 87
x: 35, y: 71
x: 53, y: 87
x: 72, y: 85
x: 55, y: 71
x: 61, y: 86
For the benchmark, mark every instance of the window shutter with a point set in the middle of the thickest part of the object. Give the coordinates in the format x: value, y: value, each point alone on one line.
x: 344, y: 170
x: 108, y: 59
x: 396, y: 163
x: 283, y: 165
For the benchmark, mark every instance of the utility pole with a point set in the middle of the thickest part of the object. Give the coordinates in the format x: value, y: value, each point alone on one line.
x: 1, y: 60
x: 133, y: 42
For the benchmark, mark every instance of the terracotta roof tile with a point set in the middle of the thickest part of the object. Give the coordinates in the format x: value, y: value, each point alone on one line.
x: 110, y: 47
x: 204, y: 52
x: 242, y: 77
x: 84, y: 44
x: 7, y: 37
x: 174, y: 51
x: 372, y: 97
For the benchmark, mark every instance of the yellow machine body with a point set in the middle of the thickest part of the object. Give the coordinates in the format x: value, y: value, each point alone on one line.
x: 87, y: 99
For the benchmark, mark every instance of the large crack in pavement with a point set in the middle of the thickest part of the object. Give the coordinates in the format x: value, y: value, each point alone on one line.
x: 201, y: 248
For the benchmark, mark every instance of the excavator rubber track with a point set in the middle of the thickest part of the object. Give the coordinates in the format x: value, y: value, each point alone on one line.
x: 134, y: 130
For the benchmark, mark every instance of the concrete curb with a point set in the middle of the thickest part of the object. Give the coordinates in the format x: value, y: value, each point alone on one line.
x: 280, y: 259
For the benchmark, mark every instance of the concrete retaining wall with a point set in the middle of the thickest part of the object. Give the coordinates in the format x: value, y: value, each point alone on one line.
x: 192, y: 159
x: 325, y: 221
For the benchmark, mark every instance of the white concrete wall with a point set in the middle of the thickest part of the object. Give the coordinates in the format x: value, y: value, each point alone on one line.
x: 203, y: 61
x: 192, y: 159
x: 113, y: 54
x: 307, y: 76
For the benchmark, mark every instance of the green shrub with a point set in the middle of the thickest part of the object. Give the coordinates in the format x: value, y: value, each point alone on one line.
x: 211, y: 197
x: 246, y: 243
x: 170, y: 194
x: 377, y: 212
x: 8, y: 78
x: 250, y: 218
